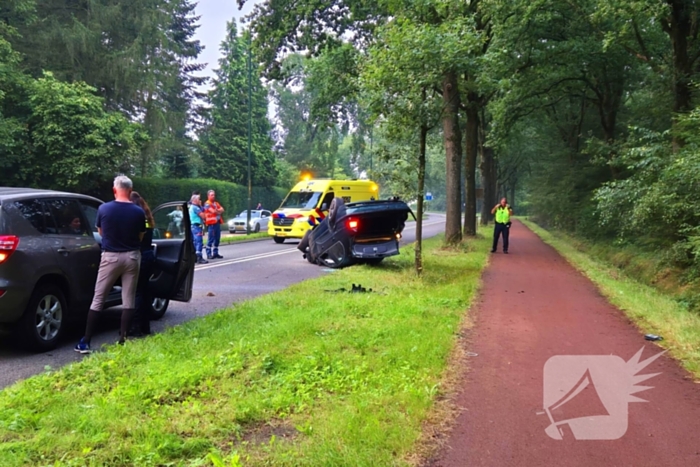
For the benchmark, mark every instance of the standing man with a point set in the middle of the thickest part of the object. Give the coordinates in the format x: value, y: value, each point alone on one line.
x: 122, y: 225
x: 502, y: 226
x: 197, y: 223
x: 213, y: 219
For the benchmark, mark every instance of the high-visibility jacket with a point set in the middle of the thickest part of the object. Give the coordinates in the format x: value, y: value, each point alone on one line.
x: 503, y: 214
x: 211, y: 216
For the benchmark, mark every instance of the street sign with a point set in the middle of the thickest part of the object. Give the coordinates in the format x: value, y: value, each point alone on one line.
x: 428, y: 196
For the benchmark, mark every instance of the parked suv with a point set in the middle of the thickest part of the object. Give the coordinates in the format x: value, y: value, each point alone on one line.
x: 50, y: 254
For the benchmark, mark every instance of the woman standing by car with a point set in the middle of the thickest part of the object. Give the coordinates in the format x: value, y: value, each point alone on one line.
x: 141, y: 322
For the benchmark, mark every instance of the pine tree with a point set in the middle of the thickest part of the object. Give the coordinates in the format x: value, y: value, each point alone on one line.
x: 224, y: 138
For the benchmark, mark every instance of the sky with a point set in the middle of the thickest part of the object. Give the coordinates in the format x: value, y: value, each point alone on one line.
x: 212, y: 30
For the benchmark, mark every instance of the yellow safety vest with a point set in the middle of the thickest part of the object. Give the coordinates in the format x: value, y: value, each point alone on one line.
x: 503, y: 214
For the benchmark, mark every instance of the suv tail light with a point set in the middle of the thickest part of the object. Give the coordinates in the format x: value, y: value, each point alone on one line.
x: 8, y: 245
x: 352, y: 224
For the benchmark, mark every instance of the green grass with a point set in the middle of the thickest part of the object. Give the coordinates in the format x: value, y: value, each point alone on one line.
x: 652, y: 310
x: 302, y: 377
x: 235, y: 238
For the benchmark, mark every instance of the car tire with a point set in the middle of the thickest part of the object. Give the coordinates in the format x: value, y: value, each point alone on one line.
x: 278, y: 239
x: 43, y: 321
x: 158, y: 308
x: 257, y: 228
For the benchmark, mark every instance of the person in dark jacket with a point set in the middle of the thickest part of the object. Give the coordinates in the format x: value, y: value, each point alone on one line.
x: 121, y: 224
x: 141, y: 321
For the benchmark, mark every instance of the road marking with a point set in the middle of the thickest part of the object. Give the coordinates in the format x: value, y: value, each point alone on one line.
x: 246, y: 259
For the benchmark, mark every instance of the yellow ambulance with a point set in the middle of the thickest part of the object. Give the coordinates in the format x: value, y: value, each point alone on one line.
x: 308, y: 202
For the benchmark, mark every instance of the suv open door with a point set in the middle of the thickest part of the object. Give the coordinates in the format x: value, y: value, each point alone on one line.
x: 173, y: 273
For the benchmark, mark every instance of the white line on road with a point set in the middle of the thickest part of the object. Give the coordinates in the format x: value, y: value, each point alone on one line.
x: 246, y: 259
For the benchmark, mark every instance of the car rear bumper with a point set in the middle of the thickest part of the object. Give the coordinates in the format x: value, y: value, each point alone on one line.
x: 375, y: 249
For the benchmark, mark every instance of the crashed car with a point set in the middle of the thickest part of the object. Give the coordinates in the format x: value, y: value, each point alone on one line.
x: 363, y: 232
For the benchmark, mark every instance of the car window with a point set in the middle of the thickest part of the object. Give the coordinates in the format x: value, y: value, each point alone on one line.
x: 266, y: 213
x: 90, y: 209
x: 327, y: 200
x: 35, y: 212
x: 68, y: 217
x: 168, y: 223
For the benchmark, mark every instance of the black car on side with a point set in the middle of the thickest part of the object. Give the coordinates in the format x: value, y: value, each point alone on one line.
x: 363, y: 232
x: 49, y: 257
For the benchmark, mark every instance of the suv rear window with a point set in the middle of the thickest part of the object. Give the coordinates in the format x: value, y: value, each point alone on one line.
x: 35, y: 212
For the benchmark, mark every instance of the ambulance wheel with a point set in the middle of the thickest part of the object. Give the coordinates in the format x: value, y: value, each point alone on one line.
x: 278, y: 239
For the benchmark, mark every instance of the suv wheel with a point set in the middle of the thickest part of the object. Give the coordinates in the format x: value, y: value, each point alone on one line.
x: 158, y: 308
x: 42, y: 322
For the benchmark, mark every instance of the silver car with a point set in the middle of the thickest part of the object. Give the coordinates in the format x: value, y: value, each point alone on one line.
x: 258, y: 221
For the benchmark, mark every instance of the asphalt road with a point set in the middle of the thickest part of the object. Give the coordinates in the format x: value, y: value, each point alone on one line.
x: 248, y: 270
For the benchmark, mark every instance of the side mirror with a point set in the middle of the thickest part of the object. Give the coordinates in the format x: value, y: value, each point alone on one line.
x: 324, y: 207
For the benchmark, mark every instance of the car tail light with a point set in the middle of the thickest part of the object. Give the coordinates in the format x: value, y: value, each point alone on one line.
x: 8, y: 245
x: 352, y: 224
x: 2, y: 292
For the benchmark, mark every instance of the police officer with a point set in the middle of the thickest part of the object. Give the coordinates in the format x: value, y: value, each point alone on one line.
x: 502, y: 211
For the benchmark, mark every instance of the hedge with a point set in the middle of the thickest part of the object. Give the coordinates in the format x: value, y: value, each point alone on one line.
x: 233, y: 197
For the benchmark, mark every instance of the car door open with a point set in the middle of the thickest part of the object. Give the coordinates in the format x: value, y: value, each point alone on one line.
x: 173, y: 272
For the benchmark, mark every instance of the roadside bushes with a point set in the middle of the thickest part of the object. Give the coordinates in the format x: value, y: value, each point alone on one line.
x: 233, y: 197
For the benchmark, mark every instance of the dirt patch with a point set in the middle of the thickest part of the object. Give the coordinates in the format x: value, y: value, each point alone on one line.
x: 262, y: 433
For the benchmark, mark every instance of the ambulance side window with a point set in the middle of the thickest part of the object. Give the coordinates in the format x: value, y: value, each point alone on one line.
x: 326, y: 203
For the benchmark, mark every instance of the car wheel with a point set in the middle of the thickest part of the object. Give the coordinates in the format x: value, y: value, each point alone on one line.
x: 43, y: 321
x: 257, y: 228
x: 158, y: 308
x: 278, y: 239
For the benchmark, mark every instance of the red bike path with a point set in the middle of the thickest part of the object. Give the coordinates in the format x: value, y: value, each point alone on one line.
x: 532, y: 306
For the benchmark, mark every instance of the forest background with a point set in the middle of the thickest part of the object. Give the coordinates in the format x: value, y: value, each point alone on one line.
x: 583, y: 112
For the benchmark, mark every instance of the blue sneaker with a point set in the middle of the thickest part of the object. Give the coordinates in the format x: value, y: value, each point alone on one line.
x: 82, y: 347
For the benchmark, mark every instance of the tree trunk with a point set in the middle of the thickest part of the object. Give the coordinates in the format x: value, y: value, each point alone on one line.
x: 453, y: 157
x: 488, y: 182
x: 421, y: 195
x: 679, y: 27
x: 472, y: 149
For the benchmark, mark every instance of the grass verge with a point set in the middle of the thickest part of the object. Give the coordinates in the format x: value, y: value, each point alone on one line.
x: 235, y: 238
x: 307, y: 376
x: 652, y: 311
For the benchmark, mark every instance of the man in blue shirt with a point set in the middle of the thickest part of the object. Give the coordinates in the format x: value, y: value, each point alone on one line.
x: 197, y: 222
x: 121, y: 224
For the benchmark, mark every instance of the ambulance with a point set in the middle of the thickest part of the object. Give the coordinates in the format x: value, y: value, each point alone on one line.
x: 307, y: 204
